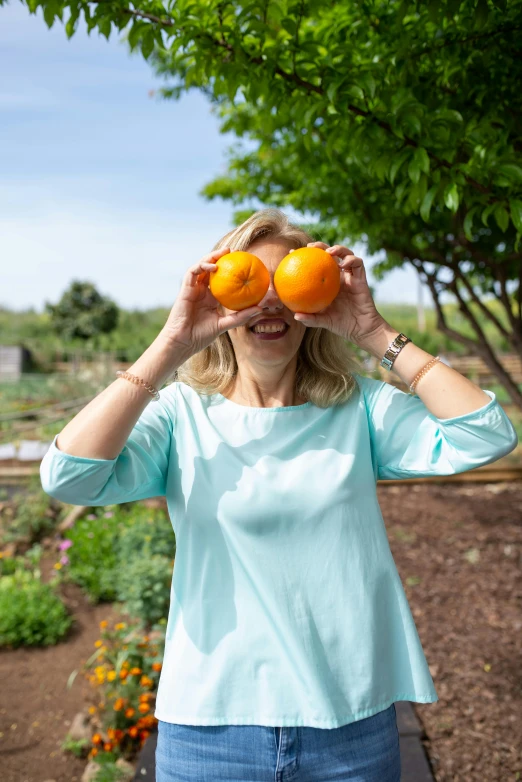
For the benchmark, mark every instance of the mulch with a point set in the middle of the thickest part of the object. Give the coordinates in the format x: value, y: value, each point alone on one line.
x: 460, y: 544
x: 458, y: 551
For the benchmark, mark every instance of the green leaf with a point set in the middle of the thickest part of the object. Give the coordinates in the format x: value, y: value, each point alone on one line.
x: 104, y: 26
x: 72, y: 24
x: 515, y: 206
x: 468, y: 223
x: 502, y: 217
x: 451, y: 197
x: 49, y: 14
x: 397, y: 163
x: 427, y: 202
x: 414, y: 171
x: 511, y: 171
x: 355, y: 91
x: 481, y: 13
x: 486, y: 213
x: 423, y: 160
x: 147, y: 43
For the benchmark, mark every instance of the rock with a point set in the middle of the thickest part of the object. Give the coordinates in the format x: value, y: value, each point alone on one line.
x: 80, y: 728
x: 127, y: 768
x: 90, y: 771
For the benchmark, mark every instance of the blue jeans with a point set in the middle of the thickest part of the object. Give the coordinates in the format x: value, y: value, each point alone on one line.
x: 363, y: 751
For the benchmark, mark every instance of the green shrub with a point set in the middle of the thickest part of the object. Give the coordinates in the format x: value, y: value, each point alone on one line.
x: 105, y: 545
x: 31, y: 614
x: 144, y: 586
x: 93, y: 557
x: 146, y: 532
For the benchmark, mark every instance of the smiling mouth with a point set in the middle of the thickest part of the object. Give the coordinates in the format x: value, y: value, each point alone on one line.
x: 270, y: 330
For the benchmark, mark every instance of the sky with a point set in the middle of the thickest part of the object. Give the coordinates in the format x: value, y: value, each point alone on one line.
x: 99, y: 181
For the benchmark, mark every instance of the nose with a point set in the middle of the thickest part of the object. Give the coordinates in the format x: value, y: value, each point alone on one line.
x: 271, y: 300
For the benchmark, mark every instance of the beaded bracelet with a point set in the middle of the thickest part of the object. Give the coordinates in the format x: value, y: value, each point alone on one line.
x: 140, y: 382
x: 423, y: 371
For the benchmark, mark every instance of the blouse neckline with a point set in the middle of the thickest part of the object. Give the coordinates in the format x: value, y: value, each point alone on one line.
x: 281, y: 409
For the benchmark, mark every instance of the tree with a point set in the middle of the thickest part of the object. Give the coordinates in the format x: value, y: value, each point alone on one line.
x: 82, y: 313
x: 394, y: 121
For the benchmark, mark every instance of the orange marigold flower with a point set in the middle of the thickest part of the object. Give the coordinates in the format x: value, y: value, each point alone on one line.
x: 103, y: 623
x: 93, y: 752
x: 96, y: 739
x: 92, y: 709
x: 144, y: 696
x: 144, y: 734
x: 118, y: 704
x: 98, y: 643
x: 156, y: 666
x: 133, y: 731
x: 124, y: 673
x: 144, y: 708
x: 118, y: 734
x: 111, y: 675
x: 120, y: 626
x: 136, y: 671
x: 107, y: 746
x: 130, y: 712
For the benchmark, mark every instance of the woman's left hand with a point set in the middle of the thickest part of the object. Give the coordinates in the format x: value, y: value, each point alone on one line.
x: 352, y: 314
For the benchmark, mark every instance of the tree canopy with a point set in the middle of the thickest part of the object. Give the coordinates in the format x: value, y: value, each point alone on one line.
x: 397, y: 122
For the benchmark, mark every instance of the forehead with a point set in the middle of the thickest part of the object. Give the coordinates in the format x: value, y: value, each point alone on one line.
x: 271, y: 250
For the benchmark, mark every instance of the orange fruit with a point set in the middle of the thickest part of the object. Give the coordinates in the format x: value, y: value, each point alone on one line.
x: 307, y: 279
x: 241, y: 280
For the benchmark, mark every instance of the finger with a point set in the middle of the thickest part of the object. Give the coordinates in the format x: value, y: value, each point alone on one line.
x: 353, y: 265
x: 317, y: 244
x: 198, y: 272
x: 339, y: 250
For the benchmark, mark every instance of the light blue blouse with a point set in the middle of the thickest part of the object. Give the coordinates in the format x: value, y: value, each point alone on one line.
x: 286, y: 605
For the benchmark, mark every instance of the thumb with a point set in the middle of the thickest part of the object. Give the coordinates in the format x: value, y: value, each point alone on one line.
x: 309, y: 319
x: 239, y: 318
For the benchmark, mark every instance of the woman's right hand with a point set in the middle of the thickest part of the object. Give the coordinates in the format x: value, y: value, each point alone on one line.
x: 195, y: 321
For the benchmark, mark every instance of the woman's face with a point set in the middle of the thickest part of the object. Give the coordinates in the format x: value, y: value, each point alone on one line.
x: 251, y: 347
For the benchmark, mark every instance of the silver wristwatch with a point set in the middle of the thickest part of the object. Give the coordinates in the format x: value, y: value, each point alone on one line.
x: 393, y: 351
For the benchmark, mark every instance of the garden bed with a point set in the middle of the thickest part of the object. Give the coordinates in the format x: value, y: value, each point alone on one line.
x: 37, y: 709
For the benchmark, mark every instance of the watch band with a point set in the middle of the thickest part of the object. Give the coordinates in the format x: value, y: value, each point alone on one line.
x: 393, y: 350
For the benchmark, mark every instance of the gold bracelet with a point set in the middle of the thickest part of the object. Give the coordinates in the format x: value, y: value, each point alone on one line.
x: 140, y: 382
x: 423, y: 371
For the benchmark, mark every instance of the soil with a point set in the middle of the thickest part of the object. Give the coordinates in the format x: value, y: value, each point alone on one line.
x: 467, y: 558
x: 458, y: 549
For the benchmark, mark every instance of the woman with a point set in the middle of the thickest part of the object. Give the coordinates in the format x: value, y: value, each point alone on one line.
x: 289, y: 635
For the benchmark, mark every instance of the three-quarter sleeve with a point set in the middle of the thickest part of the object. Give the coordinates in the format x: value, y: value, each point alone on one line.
x: 138, y: 472
x: 408, y: 441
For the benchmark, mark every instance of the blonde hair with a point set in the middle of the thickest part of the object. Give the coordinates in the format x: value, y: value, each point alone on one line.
x: 325, y: 362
